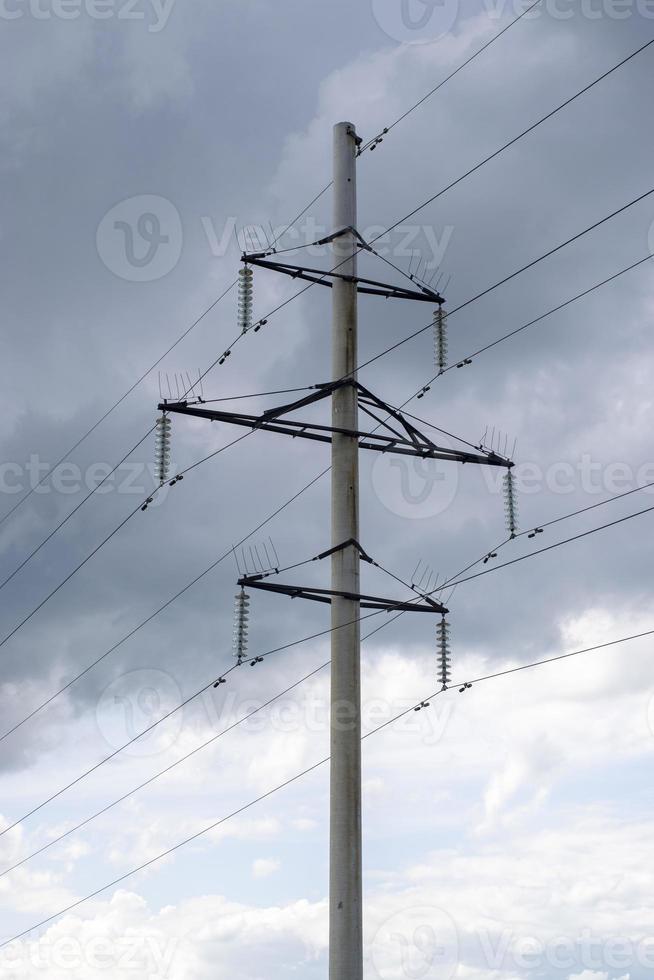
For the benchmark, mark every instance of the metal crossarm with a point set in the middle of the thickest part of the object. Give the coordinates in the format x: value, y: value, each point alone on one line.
x: 326, y: 596
x: 402, y: 439
x: 370, y: 286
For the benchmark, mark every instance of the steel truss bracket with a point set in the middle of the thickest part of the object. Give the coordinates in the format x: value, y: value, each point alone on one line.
x: 341, y: 547
x: 396, y: 434
x: 326, y: 596
x: 371, y: 287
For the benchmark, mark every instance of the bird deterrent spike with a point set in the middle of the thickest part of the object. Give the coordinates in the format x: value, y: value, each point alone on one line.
x: 162, y: 448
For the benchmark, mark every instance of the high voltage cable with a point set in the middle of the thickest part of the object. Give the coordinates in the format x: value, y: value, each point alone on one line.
x: 376, y: 357
x: 514, y: 275
x: 387, y: 129
x: 451, y: 583
x: 447, y: 188
x: 58, y: 527
x: 325, y: 471
x: 161, y: 608
x: 119, y: 402
x: 312, y: 768
x: 167, y: 769
x: 552, y: 547
x: 543, y: 316
x: 173, y: 711
x: 128, y: 392
x: 512, y: 142
x: 132, y: 513
x: 520, y: 136
x: 420, y: 207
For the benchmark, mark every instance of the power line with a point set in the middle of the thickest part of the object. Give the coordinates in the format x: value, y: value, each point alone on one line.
x: 621, y: 63
x: 451, y: 583
x: 119, y: 401
x: 376, y: 140
x: 173, y: 711
x: 552, y: 547
x: 460, y: 179
x: 394, y: 347
x: 313, y: 768
x: 320, y: 475
x: 161, y: 608
x: 139, y: 507
x: 167, y: 769
x: 520, y: 136
x: 420, y: 207
x: 58, y: 527
x: 514, y: 275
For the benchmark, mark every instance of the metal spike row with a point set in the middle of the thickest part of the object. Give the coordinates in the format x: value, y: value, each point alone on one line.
x: 440, y: 339
x: 241, y: 627
x: 245, y: 298
x: 162, y: 448
x: 443, y: 649
x: 510, y: 504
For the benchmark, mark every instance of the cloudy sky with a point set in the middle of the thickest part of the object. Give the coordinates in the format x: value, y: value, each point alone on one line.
x: 506, y: 830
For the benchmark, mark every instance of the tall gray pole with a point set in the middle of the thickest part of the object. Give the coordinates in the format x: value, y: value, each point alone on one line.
x: 345, y: 879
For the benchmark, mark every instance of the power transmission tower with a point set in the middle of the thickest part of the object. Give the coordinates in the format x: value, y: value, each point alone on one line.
x: 393, y: 433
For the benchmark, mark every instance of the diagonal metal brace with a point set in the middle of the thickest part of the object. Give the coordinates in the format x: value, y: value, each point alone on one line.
x: 326, y: 596
x: 402, y: 439
x: 371, y: 287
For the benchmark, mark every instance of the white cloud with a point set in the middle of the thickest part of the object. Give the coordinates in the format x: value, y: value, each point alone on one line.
x: 264, y: 867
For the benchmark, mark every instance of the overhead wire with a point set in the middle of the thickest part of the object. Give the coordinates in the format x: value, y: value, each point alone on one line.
x: 387, y: 129
x: 293, y: 779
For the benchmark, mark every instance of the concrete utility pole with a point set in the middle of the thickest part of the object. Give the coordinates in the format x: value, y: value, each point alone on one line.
x: 345, y: 879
